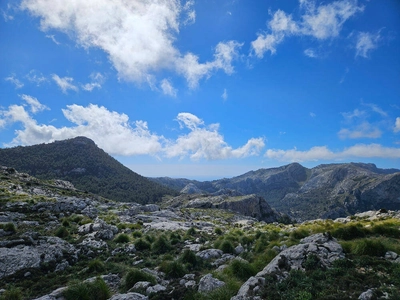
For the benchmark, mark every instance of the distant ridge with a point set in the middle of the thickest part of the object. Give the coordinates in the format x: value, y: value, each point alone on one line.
x: 326, y: 191
x: 85, y: 165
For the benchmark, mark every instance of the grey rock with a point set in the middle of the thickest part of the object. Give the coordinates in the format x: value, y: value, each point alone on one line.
x: 155, y: 289
x: 367, y: 295
x: 209, y: 254
x: 101, y: 229
x: 189, y: 276
x: 62, y: 266
x: 49, y: 249
x: 129, y: 296
x: 91, y: 242
x: 224, y: 258
x: 390, y: 255
x: 113, y: 281
x: 208, y: 283
x: 239, y: 249
x: 190, y: 284
x: 141, y: 285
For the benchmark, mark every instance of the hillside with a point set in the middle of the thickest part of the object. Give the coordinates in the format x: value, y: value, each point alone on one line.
x: 87, y: 167
x: 60, y: 243
x: 326, y: 191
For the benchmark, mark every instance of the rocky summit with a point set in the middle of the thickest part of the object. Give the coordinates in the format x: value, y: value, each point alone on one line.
x: 326, y: 191
x: 58, y: 242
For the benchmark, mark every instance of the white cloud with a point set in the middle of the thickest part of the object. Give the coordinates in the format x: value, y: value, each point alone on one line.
x: 310, y: 53
x: 34, y: 103
x: 18, y: 84
x: 354, y: 114
x: 114, y: 133
x: 225, y: 95
x: 138, y: 36
x: 51, y: 36
x: 321, y: 22
x: 364, y: 130
x: 206, y: 142
x: 167, y: 88
x: 397, y: 125
x: 65, y: 83
x: 376, y: 109
x: 36, y: 77
x: 323, y: 153
x: 366, y: 42
x: 97, y: 81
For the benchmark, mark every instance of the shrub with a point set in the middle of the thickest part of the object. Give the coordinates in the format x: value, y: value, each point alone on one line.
x: 386, y: 230
x: 299, y: 234
x: 191, y: 231
x: 190, y: 258
x: 173, y: 269
x: 368, y: 247
x: 349, y: 232
x: 161, y: 245
x: 96, y: 265
x: 96, y: 290
x: 65, y: 223
x: 11, y: 294
x: 9, y: 227
x: 312, y: 263
x: 122, y: 238
x: 136, y: 275
x: 218, y: 230
x: 62, y: 232
x: 141, y: 245
x: 227, y: 247
x: 136, y: 234
x: 242, y: 270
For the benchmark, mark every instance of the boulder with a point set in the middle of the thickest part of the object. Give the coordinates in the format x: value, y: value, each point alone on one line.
x: 210, y: 253
x: 208, y: 283
x: 101, y: 229
x: 321, y: 245
x: 129, y: 296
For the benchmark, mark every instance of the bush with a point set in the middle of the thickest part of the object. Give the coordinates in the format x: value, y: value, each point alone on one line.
x: 242, y: 270
x: 65, y: 223
x: 62, y: 232
x: 96, y: 265
x: 161, y: 245
x: 227, y: 247
x: 312, y: 263
x: 9, y: 227
x: 136, y: 275
x: 136, y: 234
x: 96, y: 290
x: 218, y: 230
x: 141, y: 245
x: 349, y: 232
x: 368, y: 247
x: 12, y: 294
x: 122, y: 238
x: 299, y: 234
x: 386, y: 230
x: 191, y: 231
x: 190, y: 258
x: 173, y: 269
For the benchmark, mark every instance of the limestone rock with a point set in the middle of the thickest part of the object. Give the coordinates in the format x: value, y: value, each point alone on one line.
x: 208, y: 283
x: 129, y: 296
x: 155, y: 289
x: 209, y: 254
x: 101, y: 229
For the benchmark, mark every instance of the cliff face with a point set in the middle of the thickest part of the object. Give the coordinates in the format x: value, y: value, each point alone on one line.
x: 326, y: 191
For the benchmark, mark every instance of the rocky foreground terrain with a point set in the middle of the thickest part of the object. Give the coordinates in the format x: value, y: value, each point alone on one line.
x: 57, y: 242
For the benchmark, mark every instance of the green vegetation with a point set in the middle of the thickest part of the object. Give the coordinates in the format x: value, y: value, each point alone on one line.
x: 122, y: 238
x: 136, y: 275
x: 96, y: 290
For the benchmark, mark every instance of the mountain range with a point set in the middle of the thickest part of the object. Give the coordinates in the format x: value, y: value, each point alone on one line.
x: 325, y: 191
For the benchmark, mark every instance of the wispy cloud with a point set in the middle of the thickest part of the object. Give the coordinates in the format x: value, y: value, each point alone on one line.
x: 397, y: 125
x: 34, y: 103
x: 225, y: 95
x: 65, y: 83
x: 52, y: 37
x: 312, y: 115
x: 97, y: 81
x: 366, y: 42
x: 167, y: 88
x: 36, y: 77
x: 14, y: 80
x: 364, y: 130
x: 324, y: 153
x: 346, y: 71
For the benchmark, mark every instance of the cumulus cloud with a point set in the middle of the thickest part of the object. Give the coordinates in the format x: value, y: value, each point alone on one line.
x: 167, y: 88
x: 322, y: 22
x: 14, y: 80
x: 138, y: 36
x: 64, y: 83
x: 34, y: 103
x: 206, y: 142
x: 366, y: 42
x: 117, y: 135
x: 397, y: 125
x: 323, y: 153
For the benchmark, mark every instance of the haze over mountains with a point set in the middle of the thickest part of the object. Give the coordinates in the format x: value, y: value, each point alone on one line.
x: 326, y: 191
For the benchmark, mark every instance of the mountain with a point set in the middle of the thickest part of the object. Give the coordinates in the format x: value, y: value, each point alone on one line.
x: 326, y: 191
x: 87, y: 167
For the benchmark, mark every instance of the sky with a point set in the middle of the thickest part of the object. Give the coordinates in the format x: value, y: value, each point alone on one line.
x: 205, y: 89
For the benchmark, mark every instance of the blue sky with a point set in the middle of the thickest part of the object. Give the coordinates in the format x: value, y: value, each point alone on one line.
x: 205, y: 89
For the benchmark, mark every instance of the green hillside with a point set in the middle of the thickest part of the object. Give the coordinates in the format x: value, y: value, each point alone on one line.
x: 88, y: 167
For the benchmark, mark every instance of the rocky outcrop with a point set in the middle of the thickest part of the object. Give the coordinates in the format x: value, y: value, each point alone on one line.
x: 320, y: 248
x: 249, y: 205
x: 208, y: 283
x: 46, y: 250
